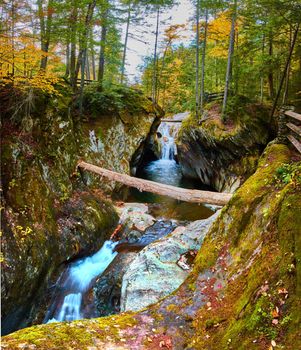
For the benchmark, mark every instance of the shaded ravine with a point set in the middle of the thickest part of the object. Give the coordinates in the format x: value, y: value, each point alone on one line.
x: 219, y: 297
x: 166, y: 170
x: 73, y: 297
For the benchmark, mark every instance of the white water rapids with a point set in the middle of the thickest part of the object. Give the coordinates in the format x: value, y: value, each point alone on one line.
x: 80, y: 276
x: 168, y: 146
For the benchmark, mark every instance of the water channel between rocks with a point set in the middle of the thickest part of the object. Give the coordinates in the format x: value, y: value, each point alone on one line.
x: 73, y: 297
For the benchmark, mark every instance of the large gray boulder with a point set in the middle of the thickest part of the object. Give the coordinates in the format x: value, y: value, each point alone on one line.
x: 159, y: 268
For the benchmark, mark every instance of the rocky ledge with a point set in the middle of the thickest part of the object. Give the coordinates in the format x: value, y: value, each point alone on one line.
x: 50, y: 216
x: 223, y: 154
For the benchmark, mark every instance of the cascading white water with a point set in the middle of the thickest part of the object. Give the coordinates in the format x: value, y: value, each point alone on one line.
x: 168, y: 147
x: 80, y: 276
x: 70, y: 309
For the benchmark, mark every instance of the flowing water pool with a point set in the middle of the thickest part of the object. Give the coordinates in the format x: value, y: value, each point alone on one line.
x: 167, y: 171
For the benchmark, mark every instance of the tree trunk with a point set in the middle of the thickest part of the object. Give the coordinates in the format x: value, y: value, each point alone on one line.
x: 261, y: 78
x: 125, y: 43
x: 285, y: 93
x: 81, y: 59
x: 270, y: 75
x: 45, y: 30
x: 154, y: 83
x: 83, y: 53
x: 203, y: 63
x: 285, y: 69
x: 160, y: 74
x: 73, y: 35
x: 67, y: 72
x: 183, y: 194
x: 229, y: 63
x: 88, y: 76
x: 101, y: 65
x: 93, y: 64
x: 197, y: 60
x: 13, y: 19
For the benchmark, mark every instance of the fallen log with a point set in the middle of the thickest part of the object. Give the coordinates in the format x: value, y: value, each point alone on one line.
x: 183, y: 194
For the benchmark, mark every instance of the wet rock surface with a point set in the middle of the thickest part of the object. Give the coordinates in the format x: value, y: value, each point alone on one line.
x: 107, y: 289
x: 155, y: 272
x: 223, y: 155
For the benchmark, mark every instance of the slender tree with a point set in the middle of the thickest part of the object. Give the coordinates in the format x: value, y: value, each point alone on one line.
x: 45, y: 28
x: 103, y: 39
x: 202, y: 93
x: 230, y: 55
x: 197, y: 60
x: 129, y: 11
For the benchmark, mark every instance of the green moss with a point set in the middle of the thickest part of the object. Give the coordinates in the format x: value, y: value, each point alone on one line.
x: 75, y: 335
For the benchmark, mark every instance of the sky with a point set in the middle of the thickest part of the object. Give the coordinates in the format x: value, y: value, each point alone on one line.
x: 179, y: 14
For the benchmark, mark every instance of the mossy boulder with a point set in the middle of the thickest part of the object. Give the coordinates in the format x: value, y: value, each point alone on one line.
x: 244, y: 291
x: 224, y: 154
x: 50, y: 216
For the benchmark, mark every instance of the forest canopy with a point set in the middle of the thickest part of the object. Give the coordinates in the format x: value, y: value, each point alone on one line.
x: 243, y: 47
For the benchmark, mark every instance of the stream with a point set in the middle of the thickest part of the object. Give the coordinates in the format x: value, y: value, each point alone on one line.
x: 73, y: 296
x: 167, y: 171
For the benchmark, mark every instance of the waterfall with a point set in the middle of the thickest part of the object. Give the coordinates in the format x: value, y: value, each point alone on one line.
x: 78, y: 281
x: 168, y: 147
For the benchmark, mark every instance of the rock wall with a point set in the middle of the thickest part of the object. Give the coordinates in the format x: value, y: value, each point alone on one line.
x: 49, y: 214
x: 223, y: 155
x: 243, y: 293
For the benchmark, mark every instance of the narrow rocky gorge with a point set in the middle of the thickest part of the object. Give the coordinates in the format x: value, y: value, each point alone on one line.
x: 246, y: 264
x: 168, y: 275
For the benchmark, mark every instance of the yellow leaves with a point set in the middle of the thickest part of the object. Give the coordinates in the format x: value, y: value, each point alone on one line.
x: 219, y: 28
x: 20, y: 63
x: 22, y: 232
x: 218, y: 34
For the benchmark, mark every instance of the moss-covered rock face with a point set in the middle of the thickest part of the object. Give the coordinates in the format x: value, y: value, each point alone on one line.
x: 223, y: 155
x: 243, y: 293
x: 49, y: 215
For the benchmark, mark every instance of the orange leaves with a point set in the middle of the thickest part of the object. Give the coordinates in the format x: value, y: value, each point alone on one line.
x: 275, y: 312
